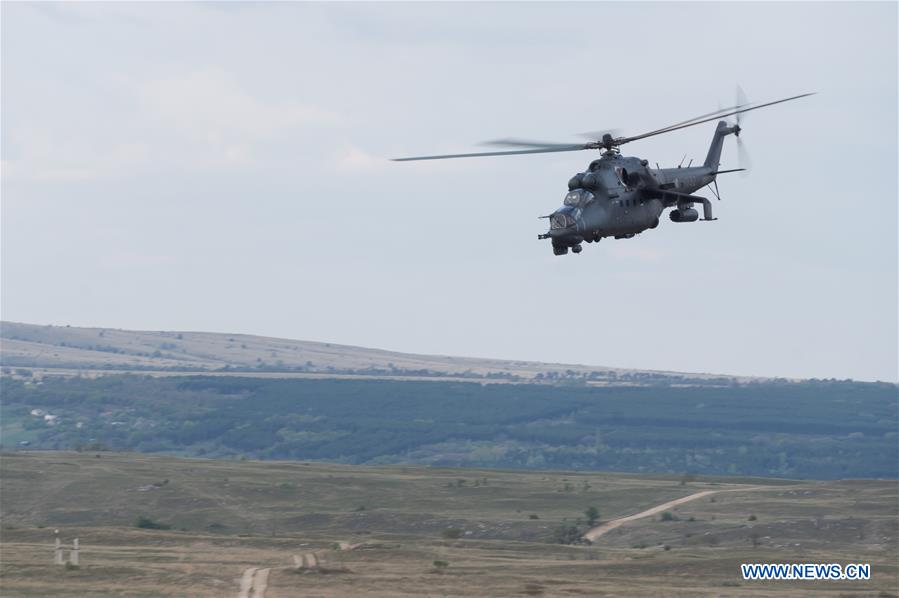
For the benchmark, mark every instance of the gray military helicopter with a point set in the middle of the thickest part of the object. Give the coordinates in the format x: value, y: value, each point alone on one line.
x: 621, y: 196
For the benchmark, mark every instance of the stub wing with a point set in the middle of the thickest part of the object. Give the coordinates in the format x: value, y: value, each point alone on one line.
x: 671, y: 198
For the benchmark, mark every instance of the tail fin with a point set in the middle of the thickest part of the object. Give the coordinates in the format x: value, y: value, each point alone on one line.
x: 713, y: 159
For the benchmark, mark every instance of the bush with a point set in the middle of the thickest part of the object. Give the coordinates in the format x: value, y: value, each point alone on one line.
x: 533, y: 516
x: 592, y: 515
x: 451, y: 533
x: 440, y: 564
x: 147, y: 523
x: 668, y: 516
x: 752, y: 518
x: 567, y: 534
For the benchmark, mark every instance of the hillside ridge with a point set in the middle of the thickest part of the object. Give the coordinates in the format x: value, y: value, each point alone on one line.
x: 53, y: 347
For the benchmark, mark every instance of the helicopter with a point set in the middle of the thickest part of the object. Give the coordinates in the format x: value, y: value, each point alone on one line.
x: 622, y: 196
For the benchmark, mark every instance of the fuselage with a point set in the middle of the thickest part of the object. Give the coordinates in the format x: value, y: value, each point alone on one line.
x: 607, y: 199
x: 621, y: 196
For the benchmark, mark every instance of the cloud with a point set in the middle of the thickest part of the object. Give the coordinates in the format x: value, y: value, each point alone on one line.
x: 209, y: 105
x: 200, y: 120
x: 352, y: 159
x: 221, y: 122
x: 41, y: 157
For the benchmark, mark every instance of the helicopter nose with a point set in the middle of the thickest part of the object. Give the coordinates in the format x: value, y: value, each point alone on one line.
x: 562, y: 219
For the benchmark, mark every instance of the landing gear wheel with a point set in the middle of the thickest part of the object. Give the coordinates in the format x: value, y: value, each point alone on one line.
x: 559, y: 250
x: 577, y: 249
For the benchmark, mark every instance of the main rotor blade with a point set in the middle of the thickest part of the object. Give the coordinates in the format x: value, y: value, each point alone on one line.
x: 698, y: 122
x: 598, y: 135
x: 716, y: 114
x: 525, y: 143
x: 543, y: 150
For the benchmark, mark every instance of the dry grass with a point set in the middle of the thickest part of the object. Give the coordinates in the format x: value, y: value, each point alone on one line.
x: 64, y: 350
x: 267, y: 512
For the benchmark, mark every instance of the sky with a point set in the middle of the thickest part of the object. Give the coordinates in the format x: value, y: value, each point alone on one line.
x: 225, y: 167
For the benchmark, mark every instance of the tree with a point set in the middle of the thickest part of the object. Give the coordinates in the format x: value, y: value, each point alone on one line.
x: 592, y: 515
x: 451, y: 533
x: 147, y: 523
x: 669, y: 516
x: 567, y: 534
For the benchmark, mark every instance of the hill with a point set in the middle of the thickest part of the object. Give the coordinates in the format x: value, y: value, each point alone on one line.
x: 819, y: 430
x: 165, y: 526
x: 71, y: 350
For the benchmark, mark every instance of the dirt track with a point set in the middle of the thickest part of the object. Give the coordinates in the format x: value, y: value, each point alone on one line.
x: 253, y: 583
x: 604, y: 528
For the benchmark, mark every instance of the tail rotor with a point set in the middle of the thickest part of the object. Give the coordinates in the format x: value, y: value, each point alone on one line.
x: 743, y: 159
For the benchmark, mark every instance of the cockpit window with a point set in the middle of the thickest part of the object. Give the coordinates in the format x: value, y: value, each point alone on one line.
x: 578, y: 198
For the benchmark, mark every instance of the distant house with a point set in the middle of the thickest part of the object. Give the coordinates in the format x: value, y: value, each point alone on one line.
x: 51, y: 420
x: 38, y: 412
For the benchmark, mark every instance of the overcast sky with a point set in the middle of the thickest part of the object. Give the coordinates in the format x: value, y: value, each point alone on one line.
x: 223, y: 167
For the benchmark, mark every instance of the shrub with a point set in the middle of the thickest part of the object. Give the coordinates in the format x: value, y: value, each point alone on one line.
x: 752, y: 518
x: 147, y: 523
x: 567, y: 534
x: 668, y: 516
x: 533, y: 516
x: 592, y: 515
x: 451, y: 533
x: 441, y: 564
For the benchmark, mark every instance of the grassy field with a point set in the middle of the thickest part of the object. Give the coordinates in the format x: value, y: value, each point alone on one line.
x: 227, y: 516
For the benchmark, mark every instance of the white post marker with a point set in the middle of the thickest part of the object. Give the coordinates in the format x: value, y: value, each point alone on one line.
x: 73, y: 555
x: 57, y: 552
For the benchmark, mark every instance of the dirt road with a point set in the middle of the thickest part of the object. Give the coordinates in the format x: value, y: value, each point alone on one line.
x: 604, y: 528
x: 253, y: 583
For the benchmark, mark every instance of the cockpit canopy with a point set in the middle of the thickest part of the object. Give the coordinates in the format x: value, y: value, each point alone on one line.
x: 578, y: 198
